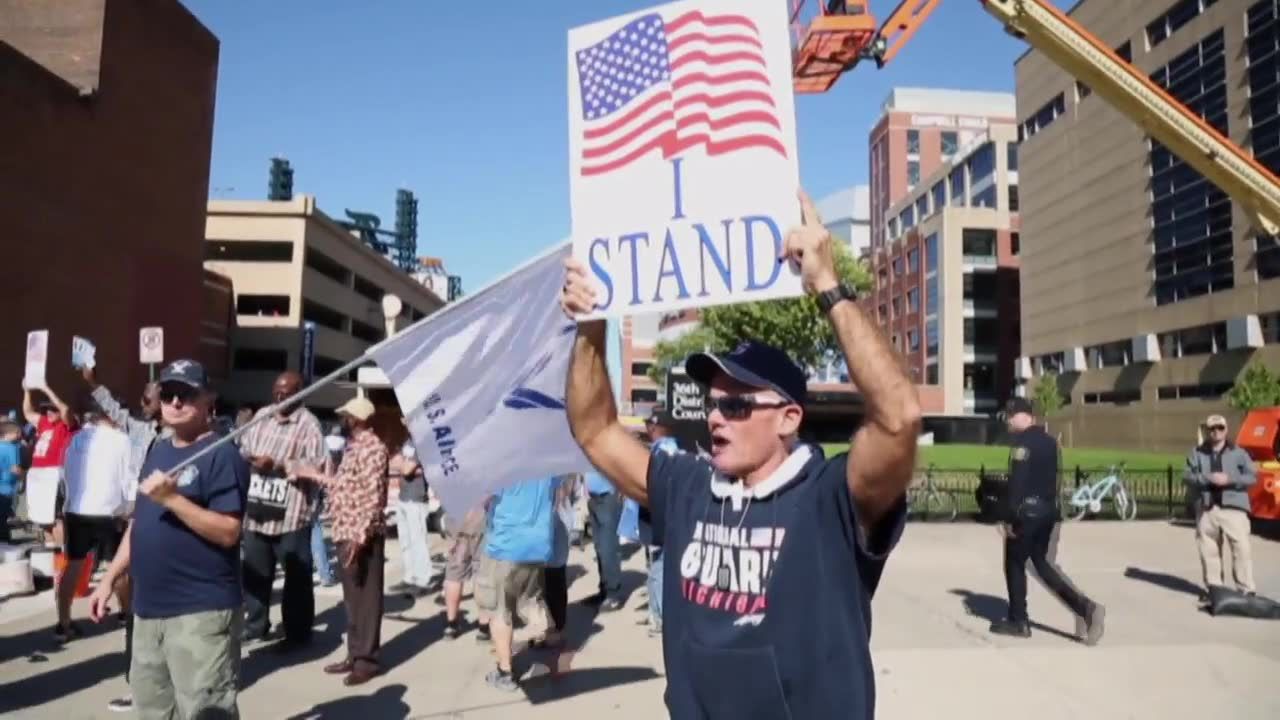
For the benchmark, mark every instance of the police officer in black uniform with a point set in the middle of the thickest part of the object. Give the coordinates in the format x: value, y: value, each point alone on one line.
x: 1031, y: 515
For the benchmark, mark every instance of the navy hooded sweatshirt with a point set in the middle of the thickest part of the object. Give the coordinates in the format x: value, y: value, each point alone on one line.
x: 767, y: 590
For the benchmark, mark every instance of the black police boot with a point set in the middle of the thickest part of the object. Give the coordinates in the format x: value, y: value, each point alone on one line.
x: 1012, y: 628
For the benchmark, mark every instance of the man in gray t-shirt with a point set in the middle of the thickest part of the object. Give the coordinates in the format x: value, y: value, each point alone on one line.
x: 411, y: 523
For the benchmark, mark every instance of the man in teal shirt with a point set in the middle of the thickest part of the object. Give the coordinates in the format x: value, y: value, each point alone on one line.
x: 10, y: 472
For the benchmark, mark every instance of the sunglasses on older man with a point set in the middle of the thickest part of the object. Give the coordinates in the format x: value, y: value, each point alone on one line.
x: 173, y: 393
x: 1217, y: 428
x: 738, y: 407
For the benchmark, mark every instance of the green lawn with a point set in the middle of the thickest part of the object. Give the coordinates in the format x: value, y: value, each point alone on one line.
x: 995, y: 457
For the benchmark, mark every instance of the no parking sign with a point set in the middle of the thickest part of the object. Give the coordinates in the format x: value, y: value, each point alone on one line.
x: 151, y: 345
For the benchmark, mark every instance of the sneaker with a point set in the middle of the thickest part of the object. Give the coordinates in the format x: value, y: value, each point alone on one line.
x: 453, y: 628
x: 399, y: 587
x: 67, y: 634
x: 502, y: 680
x: 121, y: 704
x: 1094, y: 624
x: 1012, y: 628
x: 610, y: 605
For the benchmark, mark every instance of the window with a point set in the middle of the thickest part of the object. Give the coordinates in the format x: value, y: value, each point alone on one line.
x: 913, y: 340
x: 641, y: 368
x: 931, y: 253
x: 644, y: 396
x: 366, y: 332
x: 1199, y: 340
x: 950, y: 143
x: 893, y: 227
x: 1015, y: 243
x: 931, y: 343
x: 249, y: 250
x: 957, y: 187
x: 978, y: 243
x: 884, y: 312
x: 922, y: 207
x: 262, y: 305
x: 1113, y: 397
x: 897, y: 307
x: 1082, y: 91
x: 1180, y: 14
x: 1047, y: 113
x: 1125, y: 52
x: 1191, y: 218
x: 986, y: 198
x: 897, y: 266
x: 325, y: 365
x: 1262, y: 43
x: 1111, y: 354
x: 931, y: 374
x: 913, y: 142
x: 931, y: 295
x: 913, y: 261
x: 913, y: 300
x: 1208, y: 391
x: 327, y: 266
x: 1013, y: 198
x: 939, y: 193
x: 908, y: 218
x: 913, y: 173
x: 982, y: 163
x: 321, y: 315
x: 368, y: 289
x: 261, y: 360
x: 1011, y: 156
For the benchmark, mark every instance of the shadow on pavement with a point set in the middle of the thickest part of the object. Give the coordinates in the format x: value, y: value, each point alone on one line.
x: 992, y: 608
x: 61, y: 681
x: 265, y: 659
x: 1164, y: 580
x: 385, y: 702
x: 559, y: 686
x: 36, y: 644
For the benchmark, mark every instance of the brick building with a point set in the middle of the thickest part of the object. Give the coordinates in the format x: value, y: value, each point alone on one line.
x: 107, y: 128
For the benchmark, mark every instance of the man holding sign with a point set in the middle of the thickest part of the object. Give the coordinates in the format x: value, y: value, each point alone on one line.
x: 775, y: 550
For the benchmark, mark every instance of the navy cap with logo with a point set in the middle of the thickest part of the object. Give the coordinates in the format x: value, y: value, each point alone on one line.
x: 755, y: 364
x: 186, y: 372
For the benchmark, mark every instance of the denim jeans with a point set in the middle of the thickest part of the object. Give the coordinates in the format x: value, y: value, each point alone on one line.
x: 655, y: 584
x: 605, y: 511
x: 319, y: 549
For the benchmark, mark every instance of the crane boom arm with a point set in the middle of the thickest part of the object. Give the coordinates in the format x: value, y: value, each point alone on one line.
x: 1132, y: 93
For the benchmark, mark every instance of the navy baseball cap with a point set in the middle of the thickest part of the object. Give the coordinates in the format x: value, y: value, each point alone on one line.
x: 1018, y: 405
x: 755, y: 364
x: 186, y: 372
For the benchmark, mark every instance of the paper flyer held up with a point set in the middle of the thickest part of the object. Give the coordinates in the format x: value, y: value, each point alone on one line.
x: 682, y: 155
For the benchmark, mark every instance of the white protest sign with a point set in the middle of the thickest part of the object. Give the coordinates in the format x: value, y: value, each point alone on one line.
x: 682, y: 144
x: 83, y: 353
x: 37, y: 358
x: 151, y: 345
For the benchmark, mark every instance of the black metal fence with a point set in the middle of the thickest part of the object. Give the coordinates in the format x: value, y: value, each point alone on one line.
x: 1159, y: 494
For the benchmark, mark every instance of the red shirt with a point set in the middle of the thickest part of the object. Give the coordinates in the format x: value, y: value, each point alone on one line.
x: 52, y: 438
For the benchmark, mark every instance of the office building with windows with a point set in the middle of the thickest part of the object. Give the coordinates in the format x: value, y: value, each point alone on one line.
x: 638, y: 334
x: 1145, y: 287
x: 946, y: 278
x: 919, y: 130
x: 289, y: 263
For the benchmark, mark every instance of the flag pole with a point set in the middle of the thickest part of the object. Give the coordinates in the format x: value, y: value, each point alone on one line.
x: 361, y: 360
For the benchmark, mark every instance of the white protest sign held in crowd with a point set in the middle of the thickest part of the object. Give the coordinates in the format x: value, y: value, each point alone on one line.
x: 682, y: 144
x: 37, y: 358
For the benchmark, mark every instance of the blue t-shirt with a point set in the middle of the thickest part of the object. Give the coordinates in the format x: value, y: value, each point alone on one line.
x: 598, y: 484
x: 767, y: 595
x: 175, y: 571
x: 522, y: 523
x: 10, y: 455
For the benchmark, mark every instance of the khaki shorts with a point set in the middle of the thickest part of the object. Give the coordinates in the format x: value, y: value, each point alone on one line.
x: 463, y: 557
x: 502, y: 586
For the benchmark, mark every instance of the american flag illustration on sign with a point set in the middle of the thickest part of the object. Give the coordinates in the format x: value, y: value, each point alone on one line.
x: 666, y: 86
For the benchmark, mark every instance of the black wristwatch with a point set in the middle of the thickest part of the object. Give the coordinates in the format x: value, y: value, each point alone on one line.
x: 828, y: 299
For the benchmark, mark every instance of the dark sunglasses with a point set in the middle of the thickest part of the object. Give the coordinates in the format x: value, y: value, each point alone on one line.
x: 186, y: 394
x: 737, y: 407
x: 1218, y: 428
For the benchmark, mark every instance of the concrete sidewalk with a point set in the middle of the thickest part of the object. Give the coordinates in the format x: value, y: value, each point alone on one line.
x: 934, y: 658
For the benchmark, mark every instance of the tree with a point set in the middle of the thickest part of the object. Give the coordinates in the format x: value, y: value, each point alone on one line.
x: 791, y: 324
x: 1046, y: 398
x: 1257, y: 387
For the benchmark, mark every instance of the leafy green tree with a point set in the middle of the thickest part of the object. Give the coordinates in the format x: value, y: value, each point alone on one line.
x: 1045, y: 395
x: 1257, y: 387
x: 792, y: 324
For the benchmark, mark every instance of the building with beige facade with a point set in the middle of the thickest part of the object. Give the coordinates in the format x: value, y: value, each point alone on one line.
x: 289, y: 263
x: 946, y: 277
x: 1144, y: 286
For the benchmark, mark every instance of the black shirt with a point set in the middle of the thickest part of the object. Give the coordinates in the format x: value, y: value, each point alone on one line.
x: 1033, y: 469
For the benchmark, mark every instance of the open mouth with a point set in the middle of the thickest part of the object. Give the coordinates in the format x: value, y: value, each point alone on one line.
x: 718, y: 443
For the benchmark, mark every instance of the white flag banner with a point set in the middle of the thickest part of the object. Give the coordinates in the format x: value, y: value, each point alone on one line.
x: 482, y: 386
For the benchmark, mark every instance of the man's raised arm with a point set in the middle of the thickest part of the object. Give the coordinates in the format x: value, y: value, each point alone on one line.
x: 593, y: 415
x: 882, y: 455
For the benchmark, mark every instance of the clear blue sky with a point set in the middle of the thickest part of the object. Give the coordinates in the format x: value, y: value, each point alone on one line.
x: 470, y: 113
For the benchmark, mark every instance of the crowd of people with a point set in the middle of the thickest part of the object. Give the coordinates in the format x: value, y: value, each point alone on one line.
x: 764, y: 609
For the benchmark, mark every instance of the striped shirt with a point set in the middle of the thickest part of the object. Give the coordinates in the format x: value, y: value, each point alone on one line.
x: 277, y: 504
x: 358, y: 494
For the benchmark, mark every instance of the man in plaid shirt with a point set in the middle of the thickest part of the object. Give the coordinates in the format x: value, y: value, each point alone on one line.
x: 279, y: 513
x: 357, y: 500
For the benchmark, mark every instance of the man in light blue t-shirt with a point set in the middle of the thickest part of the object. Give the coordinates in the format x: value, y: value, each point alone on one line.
x: 519, y: 544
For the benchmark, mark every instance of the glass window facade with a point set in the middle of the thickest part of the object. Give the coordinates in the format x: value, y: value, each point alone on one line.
x: 1262, y: 46
x: 1193, y: 247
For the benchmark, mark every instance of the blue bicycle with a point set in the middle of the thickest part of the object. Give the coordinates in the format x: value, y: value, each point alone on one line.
x: 1088, y: 498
